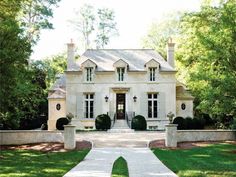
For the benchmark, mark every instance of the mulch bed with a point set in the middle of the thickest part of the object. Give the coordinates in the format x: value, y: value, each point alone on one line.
x: 48, y: 147
x: 186, y: 145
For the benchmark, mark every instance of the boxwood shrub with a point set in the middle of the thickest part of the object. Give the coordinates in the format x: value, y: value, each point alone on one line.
x: 189, y: 123
x: 181, y: 123
x: 139, y: 123
x: 198, y: 123
x: 103, y: 122
x: 61, y: 122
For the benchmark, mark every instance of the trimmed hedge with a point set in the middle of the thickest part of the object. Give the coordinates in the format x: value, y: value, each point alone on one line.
x: 188, y: 123
x: 103, y: 122
x: 181, y: 123
x: 139, y: 123
x: 198, y: 123
x: 61, y: 122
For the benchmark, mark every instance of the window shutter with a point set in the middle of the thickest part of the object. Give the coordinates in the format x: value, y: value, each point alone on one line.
x: 80, y: 109
x: 143, y: 104
x: 98, y: 104
x: 161, y: 106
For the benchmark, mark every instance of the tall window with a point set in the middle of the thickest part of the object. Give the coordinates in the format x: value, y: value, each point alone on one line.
x: 152, y: 105
x: 89, y: 74
x: 120, y: 72
x: 89, y: 106
x: 152, y: 72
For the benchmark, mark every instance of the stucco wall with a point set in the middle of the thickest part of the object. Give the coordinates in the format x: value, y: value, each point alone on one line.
x: 103, y: 84
x: 188, y: 112
x: 53, y: 113
x: 205, y: 135
x: 14, y: 137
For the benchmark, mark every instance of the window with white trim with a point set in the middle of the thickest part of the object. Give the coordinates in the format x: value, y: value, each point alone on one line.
x: 152, y: 105
x: 89, y: 105
x: 89, y: 74
x: 152, y: 74
x: 120, y: 72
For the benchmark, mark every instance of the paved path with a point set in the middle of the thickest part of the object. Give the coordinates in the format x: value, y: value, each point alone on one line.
x: 141, y: 163
x: 105, y: 139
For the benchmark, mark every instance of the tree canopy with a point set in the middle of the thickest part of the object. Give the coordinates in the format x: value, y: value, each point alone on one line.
x: 22, y: 90
x: 97, y: 26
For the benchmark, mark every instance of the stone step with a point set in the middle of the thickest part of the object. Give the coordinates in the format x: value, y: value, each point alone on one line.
x: 101, y: 144
x: 120, y: 130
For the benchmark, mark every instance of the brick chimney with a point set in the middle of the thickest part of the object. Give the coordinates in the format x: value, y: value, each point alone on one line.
x: 171, y: 53
x: 70, y: 55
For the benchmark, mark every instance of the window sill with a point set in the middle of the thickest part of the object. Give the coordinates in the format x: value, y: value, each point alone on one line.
x: 156, y: 119
x: 87, y: 119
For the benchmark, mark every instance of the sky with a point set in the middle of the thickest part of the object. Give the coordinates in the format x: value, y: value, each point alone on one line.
x: 133, y: 18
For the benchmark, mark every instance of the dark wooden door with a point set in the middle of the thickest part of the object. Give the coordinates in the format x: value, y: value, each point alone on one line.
x: 120, y: 105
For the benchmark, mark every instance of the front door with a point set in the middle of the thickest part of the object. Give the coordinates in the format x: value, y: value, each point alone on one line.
x: 120, y: 105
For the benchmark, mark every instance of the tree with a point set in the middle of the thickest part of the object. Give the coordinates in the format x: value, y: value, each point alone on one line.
x: 161, y: 31
x: 22, y: 90
x: 52, y: 67
x: 85, y: 23
x: 14, y: 51
x: 34, y: 15
x: 99, y: 32
x: 208, y: 51
x: 106, y: 27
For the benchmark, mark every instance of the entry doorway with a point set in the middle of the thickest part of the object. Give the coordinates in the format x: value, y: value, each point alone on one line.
x: 120, y: 105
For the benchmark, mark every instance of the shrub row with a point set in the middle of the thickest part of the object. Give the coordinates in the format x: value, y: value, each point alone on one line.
x: 103, y: 122
x: 139, y: 123
x: 189, y: 123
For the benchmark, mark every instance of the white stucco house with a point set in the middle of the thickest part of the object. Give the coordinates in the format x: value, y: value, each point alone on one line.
x: 121, y: 83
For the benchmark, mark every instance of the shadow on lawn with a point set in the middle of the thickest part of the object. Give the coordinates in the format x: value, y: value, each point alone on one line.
x: 34, y: 163
x: 213, y: 160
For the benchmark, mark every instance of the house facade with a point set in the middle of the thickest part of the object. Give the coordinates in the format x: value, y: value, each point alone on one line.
x: 121, y: 83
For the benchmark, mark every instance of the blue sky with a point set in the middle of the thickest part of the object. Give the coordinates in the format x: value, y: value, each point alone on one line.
x: 133, y: 20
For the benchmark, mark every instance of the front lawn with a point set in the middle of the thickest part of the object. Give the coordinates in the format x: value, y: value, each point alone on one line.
x: 120, y: 168
x: 215, y: 160
x: 31, y: 163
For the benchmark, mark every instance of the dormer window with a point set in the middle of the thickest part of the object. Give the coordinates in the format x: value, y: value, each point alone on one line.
x: 152, y: 74
x: 120, y: 72
x: 89, y: 74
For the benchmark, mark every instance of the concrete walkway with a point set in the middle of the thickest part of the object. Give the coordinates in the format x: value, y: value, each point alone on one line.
x: 105, y: 139
x: 141, y: 163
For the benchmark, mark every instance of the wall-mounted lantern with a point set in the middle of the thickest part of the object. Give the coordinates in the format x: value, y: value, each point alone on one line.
x: 135, y: 98
x: 106, y: 98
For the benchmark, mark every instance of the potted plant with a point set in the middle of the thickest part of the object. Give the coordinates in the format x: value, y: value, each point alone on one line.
x: 171, y: 115
x: 69, y: 116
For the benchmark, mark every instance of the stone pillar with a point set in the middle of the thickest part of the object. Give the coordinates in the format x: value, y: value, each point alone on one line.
x: 70, y: 55
x: 69, y: 137
x: 171, y: 135
x: 171, y: 53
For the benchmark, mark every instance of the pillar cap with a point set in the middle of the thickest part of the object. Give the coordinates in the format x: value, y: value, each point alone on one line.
x: 171, y: 125
x: 69, y: 125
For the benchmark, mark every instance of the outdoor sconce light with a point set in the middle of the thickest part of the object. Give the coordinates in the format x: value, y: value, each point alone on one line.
x: 106, y: 98
x: 135, y: 98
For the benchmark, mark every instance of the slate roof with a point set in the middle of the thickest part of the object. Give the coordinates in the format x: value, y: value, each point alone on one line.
x: 136, y: 58
x: 58, y: 93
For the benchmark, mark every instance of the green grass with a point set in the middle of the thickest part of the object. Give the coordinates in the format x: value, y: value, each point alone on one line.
x: 215, y: 160
x: 120, y: 168
x: 29, y: 163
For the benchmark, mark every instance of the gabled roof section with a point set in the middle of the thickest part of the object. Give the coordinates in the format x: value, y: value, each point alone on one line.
x: 58, y: 94
x: 152, y: 63
x: 136, y: 58
x: 88, y: 63
x: 59, y: 83
x: 120, y: 63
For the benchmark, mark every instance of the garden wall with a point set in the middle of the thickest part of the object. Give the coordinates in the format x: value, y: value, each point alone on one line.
x: 205, y: 135
x: 173, y: 136
x: 15, y: 137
